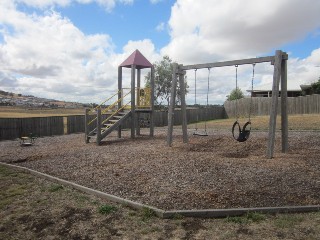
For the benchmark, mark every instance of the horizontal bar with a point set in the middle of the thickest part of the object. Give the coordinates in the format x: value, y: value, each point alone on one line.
x: 232, y: 63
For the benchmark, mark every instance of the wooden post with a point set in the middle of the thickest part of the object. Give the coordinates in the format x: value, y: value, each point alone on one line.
x: 98, y: 126
x: 152, y: 103
x: 138, y: 101
x: 172, y: 104
x: 284, y: 107
x: 86, y: 127
x: 120, y: 94
x: 183, y: 107
x: 274, y: 103
x: 133, y: 101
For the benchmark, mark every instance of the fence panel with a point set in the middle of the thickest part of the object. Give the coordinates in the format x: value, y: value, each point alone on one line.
x: 12, y: 128
x: 261, y: 106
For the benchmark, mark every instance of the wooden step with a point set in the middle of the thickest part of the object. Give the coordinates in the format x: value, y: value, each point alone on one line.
x: 113, y: 120
x: 123, y: 113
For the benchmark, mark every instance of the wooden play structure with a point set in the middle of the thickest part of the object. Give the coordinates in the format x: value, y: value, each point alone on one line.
x: 129, y: 103
x: 279, y: 61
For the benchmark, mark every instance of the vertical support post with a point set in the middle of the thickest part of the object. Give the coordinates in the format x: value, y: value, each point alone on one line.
x: 284, y: 107
x: 138, y: 100
x: 120, y: 94
x: 172, y: 104
x: 274, y: 103
x: 98, y: 126
x: 133, y: 101
x: 152, y: 102
x: 86, y: 127
x: 183, y: 107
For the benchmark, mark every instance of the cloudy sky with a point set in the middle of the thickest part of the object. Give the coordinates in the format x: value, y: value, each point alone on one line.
x: 70, y: 49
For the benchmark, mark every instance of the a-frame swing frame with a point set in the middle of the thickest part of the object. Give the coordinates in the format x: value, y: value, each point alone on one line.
x: 279, y: 60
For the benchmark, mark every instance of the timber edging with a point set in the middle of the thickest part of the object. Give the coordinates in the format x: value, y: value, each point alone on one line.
x: 202, y: 213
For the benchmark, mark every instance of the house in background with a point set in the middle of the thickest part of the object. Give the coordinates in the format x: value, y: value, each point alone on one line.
x: 293, y: 90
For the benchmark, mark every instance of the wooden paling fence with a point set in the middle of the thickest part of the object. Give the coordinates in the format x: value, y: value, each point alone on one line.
x: 12, y: 128
x: 261, y: 106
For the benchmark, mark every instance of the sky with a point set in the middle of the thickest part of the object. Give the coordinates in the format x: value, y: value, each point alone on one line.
x: 70, y: 49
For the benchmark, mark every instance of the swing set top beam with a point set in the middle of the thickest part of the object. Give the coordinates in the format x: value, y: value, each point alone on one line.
x: 233, y: 62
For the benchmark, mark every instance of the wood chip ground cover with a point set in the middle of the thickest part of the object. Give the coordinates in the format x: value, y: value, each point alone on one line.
x: 209, y: 172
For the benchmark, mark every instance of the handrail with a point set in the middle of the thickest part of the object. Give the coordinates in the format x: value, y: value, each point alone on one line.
x: 104, y: 101
x: 110, y: 107
x: 106, y: 120
x: 113, y: 104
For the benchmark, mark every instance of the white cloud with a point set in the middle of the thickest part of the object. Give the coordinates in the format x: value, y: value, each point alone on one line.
x: 160, y: 27
x: 47, y: 56
x: 213, y: 30
x: 44, y: 53
x: 107, y: 4
x: 229, y: 29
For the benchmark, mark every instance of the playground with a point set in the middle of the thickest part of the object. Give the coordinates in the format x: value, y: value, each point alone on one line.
x: 179, y: 167
x: 211, y: 172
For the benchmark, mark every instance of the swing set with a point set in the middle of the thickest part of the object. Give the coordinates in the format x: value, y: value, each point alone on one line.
x: 196, y: 131
x: 241, y: 134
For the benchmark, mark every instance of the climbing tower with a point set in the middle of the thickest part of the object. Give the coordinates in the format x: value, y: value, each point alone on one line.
x: 130, y: 103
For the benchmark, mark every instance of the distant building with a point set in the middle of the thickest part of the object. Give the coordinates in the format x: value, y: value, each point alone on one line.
x: 293, y: 90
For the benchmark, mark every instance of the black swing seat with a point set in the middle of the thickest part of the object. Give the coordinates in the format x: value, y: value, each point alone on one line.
x: 244, y: 133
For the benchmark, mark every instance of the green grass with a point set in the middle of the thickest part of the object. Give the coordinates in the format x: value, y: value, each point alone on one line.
x: 288, y: 220
x: 248, y: 218
x: 147, y: 214
x: 106, y: 209
x: 55, y: 188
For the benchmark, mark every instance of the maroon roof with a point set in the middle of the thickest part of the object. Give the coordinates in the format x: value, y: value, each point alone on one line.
x: 136, y: 58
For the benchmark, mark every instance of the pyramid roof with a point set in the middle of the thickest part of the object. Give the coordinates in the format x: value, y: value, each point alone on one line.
x: 136, y: 58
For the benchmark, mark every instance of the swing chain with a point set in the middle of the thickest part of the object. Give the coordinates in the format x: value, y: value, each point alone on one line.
x: 208, y: 89
x: 250, y: 108
x: 236, y: 108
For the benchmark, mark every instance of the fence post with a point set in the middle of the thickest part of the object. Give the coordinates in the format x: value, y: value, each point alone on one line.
x: 86, y: 127
x: 98, y: 126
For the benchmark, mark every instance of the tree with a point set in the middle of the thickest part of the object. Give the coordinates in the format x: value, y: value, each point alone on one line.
x: 315, y: 87
x: 235, y: 94
x: 163, y: 81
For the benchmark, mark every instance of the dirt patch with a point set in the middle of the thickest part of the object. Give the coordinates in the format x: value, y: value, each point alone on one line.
x: 210, y: 172
x: 30, y: 209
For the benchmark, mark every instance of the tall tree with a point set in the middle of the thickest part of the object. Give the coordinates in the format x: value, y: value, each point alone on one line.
x: 163, y: 81
x: 315, y: 87
x: 235, y: 94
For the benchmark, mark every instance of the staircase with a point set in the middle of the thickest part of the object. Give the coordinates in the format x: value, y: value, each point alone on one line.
x: 115, y: 118
x: 108, y: 126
